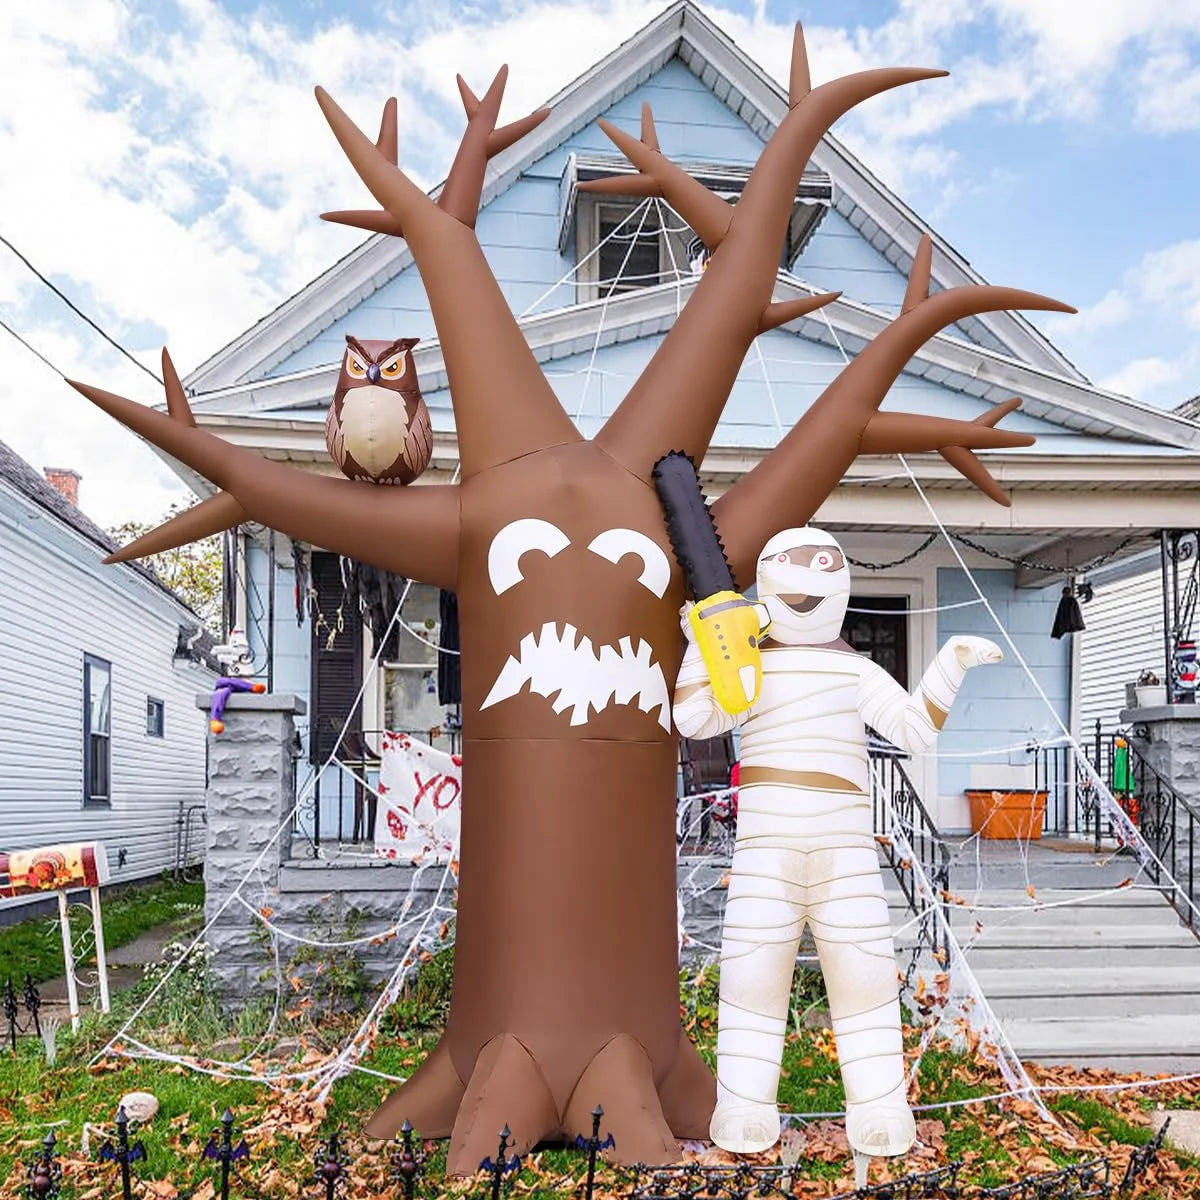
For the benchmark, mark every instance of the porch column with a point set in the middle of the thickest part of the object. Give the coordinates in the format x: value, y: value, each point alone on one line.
x: 251, y: 790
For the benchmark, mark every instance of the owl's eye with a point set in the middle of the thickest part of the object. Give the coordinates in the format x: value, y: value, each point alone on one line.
x: 393, y: 368
x: 355, y: 366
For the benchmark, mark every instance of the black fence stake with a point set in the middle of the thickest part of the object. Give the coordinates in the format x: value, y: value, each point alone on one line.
x: 224, y: 1151
x: 329, y: 1165
x: 502, y: 1166
x: 593, y: 1146
x: 10, y: 1012
x: 44, y: 1172
x: 407, y: 1164
x: 33, y: 1002
x: 123, y: 1153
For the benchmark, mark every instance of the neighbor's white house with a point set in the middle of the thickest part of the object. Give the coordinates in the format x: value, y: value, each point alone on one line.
x: 100, y: 736
x: 596, y: 282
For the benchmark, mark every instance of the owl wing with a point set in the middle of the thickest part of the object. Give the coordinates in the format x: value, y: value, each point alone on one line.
x: 335, y: 439
x: 418, y: 442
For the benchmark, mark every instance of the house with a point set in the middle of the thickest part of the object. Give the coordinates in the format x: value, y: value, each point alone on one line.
x: 1143, y: 606
x: 100, y: 737
x: 596, y: 280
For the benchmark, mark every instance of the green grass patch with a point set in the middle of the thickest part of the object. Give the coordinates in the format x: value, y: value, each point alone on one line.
x: 35, y: 946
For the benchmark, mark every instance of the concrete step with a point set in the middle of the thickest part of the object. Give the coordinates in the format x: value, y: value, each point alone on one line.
x: 1056, y: 907
x: 1120, y: 992
x: 1150, y: 1043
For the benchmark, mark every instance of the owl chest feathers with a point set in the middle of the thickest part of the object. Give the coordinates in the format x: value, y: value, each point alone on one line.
x: 382, y: 431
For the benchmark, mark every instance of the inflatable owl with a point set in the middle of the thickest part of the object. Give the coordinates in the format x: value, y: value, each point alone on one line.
x: 378, y: 428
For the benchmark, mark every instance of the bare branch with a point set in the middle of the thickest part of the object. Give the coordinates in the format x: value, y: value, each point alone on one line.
x: 703, y: 210
x: 908, y: 433
x: 783, y: 311
x: 792, y: 482
x: 677, y: 401
x: 177, y: 404
x: 799, y: 77
x: 388, y: 141
x: 918, y: 277
x: 214, y: 515
x: 967, y: 465
x: 412, y: 531
x: 481, y: 341
x: 373, y: 220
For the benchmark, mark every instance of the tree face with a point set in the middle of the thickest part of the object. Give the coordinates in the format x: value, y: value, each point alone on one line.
x: 568, y: 599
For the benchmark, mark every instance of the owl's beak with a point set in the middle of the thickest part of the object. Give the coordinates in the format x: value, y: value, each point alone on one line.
x: 373, y: 372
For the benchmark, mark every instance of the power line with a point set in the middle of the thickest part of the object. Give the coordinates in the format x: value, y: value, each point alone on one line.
x: 78, y: 312
x: 36, y: 353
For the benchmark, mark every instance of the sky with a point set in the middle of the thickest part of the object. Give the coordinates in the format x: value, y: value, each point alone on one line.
x: 164, y: 164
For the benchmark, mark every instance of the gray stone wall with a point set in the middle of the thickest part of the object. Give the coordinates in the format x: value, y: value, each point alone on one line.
x: 251, y: 789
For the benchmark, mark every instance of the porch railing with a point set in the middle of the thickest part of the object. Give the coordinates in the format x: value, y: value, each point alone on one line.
x: 1169, y: 823
x: 893, y: 792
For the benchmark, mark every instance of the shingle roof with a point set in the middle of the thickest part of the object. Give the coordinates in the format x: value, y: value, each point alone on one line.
x: 16, y: 472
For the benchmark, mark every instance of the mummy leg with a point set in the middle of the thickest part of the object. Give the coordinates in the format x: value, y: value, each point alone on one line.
x: 853, y: 936
x: 764, y: 918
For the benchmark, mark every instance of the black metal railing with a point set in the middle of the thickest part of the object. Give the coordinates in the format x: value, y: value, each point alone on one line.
x: 1167, y: 821
x: 893, y: 795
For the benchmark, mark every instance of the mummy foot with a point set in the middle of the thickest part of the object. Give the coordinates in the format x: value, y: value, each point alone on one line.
x: 743, y: 1127
x: 881, y: 1128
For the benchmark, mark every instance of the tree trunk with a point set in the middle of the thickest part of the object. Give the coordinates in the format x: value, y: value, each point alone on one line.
x: 566, y: 990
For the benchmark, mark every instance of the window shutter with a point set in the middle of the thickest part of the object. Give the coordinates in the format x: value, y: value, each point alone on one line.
x: 337, y: 662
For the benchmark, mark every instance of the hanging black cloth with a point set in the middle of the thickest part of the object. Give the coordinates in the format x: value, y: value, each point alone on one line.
x: 449, y: 665
x: 377, y: 593
x: 1069, y: 616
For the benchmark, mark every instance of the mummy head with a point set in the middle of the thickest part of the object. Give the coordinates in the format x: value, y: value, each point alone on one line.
x: 804, y: 580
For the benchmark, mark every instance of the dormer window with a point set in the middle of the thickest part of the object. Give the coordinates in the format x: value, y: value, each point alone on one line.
x: 627, y: 244
x: 623, y: 243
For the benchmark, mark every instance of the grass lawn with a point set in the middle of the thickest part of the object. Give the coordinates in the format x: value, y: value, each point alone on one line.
x: 284, y: 1127
x: 35, y: 946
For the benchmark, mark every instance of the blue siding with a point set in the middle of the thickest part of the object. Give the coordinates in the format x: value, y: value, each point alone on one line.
x: 519, y: 229
x: 839, y: 259
x: 999, y: 705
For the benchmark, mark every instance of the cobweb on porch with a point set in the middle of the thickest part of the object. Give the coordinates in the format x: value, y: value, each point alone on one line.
x: 941, y: 988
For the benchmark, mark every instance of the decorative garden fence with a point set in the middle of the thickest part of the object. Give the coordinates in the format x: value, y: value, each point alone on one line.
x: 411, y: 1179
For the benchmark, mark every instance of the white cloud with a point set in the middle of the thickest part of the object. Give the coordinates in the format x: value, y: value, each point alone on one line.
x: 166, y: 163
x: 1113, y: 308
x: 1144, y: 375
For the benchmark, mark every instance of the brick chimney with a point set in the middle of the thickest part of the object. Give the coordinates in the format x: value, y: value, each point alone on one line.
x: 64, y: 481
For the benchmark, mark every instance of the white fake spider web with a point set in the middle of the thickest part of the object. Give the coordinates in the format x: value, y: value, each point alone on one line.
x: 416, y: 931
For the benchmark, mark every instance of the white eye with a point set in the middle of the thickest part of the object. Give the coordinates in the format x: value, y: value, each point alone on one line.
x: 823, y: 560
x: 504, y: 554
x: 393, y: 368
x: 614, y: 544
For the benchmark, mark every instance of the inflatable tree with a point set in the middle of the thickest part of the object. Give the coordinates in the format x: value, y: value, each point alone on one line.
x: 565, y: 990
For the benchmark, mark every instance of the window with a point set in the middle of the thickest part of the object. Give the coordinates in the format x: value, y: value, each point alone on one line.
x: 154, y: 717
x: 97, y: 729
x: 633, y: 252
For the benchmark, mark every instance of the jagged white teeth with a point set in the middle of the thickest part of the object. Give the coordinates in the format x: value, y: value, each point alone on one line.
x: 581, y: 678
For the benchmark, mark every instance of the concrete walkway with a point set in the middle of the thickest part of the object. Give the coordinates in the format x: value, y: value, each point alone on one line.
x: 1078, y: 972
x: 125, y: 965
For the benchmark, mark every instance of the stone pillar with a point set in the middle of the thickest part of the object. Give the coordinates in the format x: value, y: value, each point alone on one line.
x: 1168, y: 738
x: 251, y: 790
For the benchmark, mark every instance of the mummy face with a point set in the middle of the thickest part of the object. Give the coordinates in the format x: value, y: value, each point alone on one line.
x: 557, y: 661
x: 804, y: 581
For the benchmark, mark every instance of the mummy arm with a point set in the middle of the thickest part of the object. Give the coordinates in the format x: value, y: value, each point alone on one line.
x: 696, y: 711
x: 911, y: 722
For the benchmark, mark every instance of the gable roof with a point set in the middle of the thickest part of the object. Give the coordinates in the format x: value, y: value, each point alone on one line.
x: 681, y: 32
x: 22, y: 478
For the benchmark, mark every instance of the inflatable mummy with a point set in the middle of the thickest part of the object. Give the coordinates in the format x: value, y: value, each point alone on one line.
x: 805, y: 848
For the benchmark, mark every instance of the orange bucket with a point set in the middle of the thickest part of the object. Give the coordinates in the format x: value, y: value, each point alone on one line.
x: 1015, y: 815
